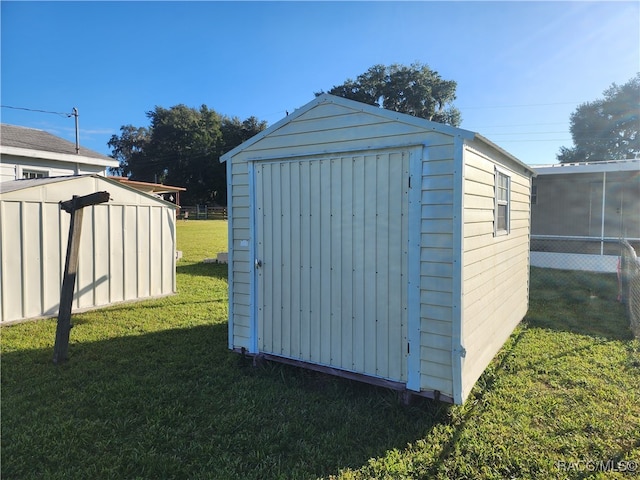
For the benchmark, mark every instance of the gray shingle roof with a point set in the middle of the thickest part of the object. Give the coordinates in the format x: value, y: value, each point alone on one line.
x: 33, y: 139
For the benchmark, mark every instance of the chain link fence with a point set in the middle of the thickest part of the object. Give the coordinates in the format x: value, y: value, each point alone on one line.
x: 629, y: 278
x: 598, y: 267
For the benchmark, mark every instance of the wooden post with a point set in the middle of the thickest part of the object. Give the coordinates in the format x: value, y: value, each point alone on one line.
x: 73, y: 207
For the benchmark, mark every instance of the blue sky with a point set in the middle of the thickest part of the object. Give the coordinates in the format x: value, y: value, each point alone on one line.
x: 522, y: 68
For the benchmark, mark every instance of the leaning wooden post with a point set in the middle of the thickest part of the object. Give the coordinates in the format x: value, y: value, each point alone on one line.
x: 74, y: 208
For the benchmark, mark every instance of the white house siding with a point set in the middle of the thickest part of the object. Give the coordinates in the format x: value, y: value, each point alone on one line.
x: 495, y: 268
x: 12, y: 167
x: 436, y: 263
x: 127, y: 248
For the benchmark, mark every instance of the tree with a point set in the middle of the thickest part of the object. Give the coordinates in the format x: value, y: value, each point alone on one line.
x: 130, y: 143
x: 182, y: 147
x: 607, y: 128
x: 416, y: 90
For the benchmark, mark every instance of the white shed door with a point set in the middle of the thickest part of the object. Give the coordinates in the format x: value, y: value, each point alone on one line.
x: 331, y: 266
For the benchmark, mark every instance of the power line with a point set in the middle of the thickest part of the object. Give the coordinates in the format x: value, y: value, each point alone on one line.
x: 39, y: 111
x: 520, y: 105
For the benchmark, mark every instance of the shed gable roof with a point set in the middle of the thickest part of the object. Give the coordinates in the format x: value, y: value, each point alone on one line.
x: 355, y: 119
x: 326, y: 108
x: 6, y: 188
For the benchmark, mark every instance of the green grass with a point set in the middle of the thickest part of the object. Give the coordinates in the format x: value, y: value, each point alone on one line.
x: 151, y: 391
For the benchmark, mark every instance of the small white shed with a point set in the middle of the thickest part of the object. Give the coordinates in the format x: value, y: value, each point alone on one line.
x: 378, y: 246
x: 127, y: 246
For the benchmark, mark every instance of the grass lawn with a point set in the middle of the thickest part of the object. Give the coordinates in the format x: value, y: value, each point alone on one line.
x: 151, y: 391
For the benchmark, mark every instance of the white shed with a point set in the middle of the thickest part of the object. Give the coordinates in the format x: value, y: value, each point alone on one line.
x: 378, y: 246
x: 127, y: 246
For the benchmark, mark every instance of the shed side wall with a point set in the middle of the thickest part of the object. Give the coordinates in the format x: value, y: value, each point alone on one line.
x: 495, y: 268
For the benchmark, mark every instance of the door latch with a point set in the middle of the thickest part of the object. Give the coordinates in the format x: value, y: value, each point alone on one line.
x: 258, y: 263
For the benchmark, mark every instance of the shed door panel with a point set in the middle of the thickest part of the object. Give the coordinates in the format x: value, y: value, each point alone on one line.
x: 332, y: 239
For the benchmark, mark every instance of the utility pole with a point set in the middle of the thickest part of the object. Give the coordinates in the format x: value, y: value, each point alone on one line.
x: 75, y: 114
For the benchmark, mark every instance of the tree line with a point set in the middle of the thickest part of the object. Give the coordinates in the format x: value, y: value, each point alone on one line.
x: 182, y: 145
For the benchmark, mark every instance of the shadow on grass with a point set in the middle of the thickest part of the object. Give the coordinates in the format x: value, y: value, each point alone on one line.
x: 178, y: 404
x: 577, y: 302
x: 217, y: 270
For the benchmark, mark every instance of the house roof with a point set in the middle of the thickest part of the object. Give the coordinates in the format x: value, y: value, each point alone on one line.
x: 422, y: 123
x: 630, y: 165
x: 31, y: 142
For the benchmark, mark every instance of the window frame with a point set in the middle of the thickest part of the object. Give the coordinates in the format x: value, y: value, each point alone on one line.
x: 28, y: 173
x: 500, y: 202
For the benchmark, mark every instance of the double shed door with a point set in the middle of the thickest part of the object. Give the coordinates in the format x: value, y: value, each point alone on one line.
x: 331, y: 261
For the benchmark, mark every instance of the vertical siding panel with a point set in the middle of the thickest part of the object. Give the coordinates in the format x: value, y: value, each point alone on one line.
x: 12, y: 260
x: 31, y: 227
x: 324, y: 233
x: 101, y: 236
x: 337, y: 242
x: 396, y: 262
x: 84, y: 279
x: 3, y: 256
x: 315, y: 260
x: 267, y: 258
x: 116, y: 253
x: 44, y: 235
x: 305, y: 261
x: 369, y: 344
x: 345, y: 224
x: 155, y: 251
x: 284, y: 209
x: 406, y: 168
x: 51, y: 257
x: 24, y: 250
x: 275, y: 259
x: 169, y: 242
x: 142, y: 238
x: 153, y: 248
x: 130, y: 251
x: 295, y: 259
x: 358, y: 255
x: 382, y: 287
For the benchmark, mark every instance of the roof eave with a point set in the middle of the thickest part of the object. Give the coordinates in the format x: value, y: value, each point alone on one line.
x: 516, y: 160
x: 629, y: 165
x: 60, y: 157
